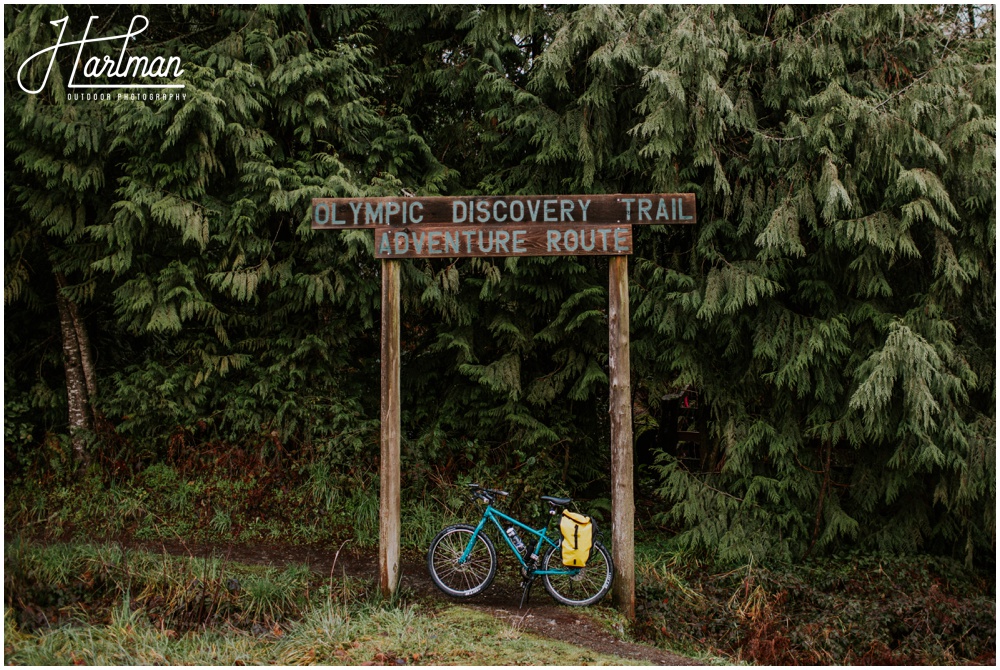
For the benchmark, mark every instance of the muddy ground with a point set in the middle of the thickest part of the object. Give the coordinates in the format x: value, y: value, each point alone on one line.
x: 542, y: 616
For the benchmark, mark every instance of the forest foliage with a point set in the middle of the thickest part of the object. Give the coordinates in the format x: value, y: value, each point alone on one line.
x: 833, y: 310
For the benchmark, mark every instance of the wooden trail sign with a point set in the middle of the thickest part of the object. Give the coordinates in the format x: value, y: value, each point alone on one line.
x: 544, y: 225
x: 649, y: 208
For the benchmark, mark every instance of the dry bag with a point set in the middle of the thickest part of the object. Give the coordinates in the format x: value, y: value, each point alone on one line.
x: 578, y: 535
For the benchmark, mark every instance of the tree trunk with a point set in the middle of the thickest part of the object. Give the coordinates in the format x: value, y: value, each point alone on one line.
x: 86, y: 355
x: 823, y: 490
x: 76, y: 386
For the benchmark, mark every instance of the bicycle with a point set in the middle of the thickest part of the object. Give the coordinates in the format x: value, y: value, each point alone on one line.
x: 462, y: 559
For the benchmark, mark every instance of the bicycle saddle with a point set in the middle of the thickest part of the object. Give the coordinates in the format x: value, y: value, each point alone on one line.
x: 562, y: 502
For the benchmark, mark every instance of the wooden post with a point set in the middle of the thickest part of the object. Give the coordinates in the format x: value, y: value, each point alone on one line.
x: 622, y: 500
x: 389, y: 477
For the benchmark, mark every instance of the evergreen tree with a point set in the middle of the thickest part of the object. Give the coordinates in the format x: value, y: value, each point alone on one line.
x: 843, y: 159
x: 834, y: 307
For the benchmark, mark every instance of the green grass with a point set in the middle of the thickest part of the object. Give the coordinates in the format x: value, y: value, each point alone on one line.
x: 327, y: 635
x: 101, y: 605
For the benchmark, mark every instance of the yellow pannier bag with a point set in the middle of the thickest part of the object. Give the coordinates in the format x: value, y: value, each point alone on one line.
x: 578, y: 536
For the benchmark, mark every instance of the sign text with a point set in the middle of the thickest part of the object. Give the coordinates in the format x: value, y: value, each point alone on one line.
x: 663, y: 208
x: 500, y: 240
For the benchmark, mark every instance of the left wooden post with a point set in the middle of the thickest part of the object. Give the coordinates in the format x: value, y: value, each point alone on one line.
x: 389, y: 469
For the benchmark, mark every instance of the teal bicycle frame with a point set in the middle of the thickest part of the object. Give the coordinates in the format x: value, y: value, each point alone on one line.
x: 496, y: 516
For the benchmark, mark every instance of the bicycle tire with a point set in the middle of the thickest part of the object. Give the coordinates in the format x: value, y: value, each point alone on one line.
x: 470, y: 578
x: 586, y: 587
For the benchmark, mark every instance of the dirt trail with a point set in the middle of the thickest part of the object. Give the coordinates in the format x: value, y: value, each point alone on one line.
x: 541, y: 616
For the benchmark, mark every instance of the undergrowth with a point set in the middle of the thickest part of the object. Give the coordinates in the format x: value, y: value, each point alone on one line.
x: 845, y: 610
x: 162, y: 502
x: 58, y: 583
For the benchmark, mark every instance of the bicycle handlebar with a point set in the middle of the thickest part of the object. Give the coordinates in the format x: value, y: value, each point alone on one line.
x: 486, y: 494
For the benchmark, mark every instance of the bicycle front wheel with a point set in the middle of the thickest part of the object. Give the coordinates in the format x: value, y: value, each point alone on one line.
x: 461, y: 579
x: 587, y: 585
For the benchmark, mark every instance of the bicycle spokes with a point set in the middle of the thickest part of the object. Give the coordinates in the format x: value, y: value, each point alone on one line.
x: 455, y: 576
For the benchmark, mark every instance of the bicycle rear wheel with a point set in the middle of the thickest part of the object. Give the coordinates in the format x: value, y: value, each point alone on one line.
x: 461, y: 580
x: 587, y: 586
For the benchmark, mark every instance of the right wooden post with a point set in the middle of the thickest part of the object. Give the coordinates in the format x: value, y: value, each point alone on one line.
x: 622, y: 499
